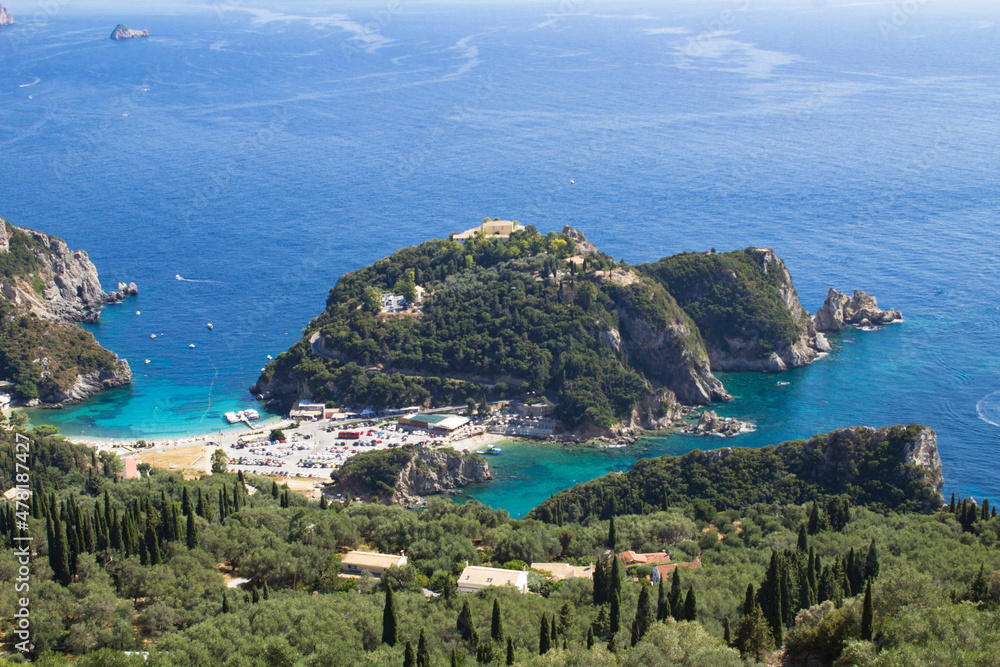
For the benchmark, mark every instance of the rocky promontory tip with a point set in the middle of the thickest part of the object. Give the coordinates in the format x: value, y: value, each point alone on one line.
x: 711, y: 423
x: 121, y: 33
x: 5, y: 17
x: 861, y: 310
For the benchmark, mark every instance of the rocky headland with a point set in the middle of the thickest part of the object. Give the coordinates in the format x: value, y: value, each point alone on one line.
x: 5, y: 17
x: 840, y: 310
x: 407, y: 475
x: 45, y: 289
x: 122, y: 33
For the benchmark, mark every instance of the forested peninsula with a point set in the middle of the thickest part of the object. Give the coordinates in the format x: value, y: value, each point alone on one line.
x: 616, y: 347
x: 45, y: 290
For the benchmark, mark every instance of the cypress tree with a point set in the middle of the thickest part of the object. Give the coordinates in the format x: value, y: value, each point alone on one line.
x: 496, y: 623
x: 274, y: 489
x: 464, y: 622
x: 186, y: 502
x: 748, y: 600
x: 510, y: 652
x: 323, y: 504
x: 152, y: 546
x: 543, y: 636
x: 985, y: 514
x: 590, y: 637
x: 664, y: 503
x: 690, y: 606
x: 615, y: 584
x: 788, y: 606
x: 775, y: 615
x: 265, y: 592
x: 60, y: 558
x: 867, y: 614
x: 423, y: 653
x: 662, y: 606
x: 454, y: 657
x: 225, y: 602
x: 409, y: 659
x: 284, y: 499
x: 980, y: 588
x: 254, y: 594
x: 616, y: 612
x: 192, y: 532
x: 390, y: 620
x: 753, y: 636
x: 600, y: 583
x: 871, y: 562
x: 814, y: 519
x: 951, y: 505
x: 676, y: 604
x: 612, y: 535
x: 803, y: 544
x: 643, y: 616
x: 726, y: 632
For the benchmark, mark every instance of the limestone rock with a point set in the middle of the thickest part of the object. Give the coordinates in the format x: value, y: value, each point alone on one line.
x: 862, y: 310
x: 121, y: 33
x: 712, y: 424
x: 91, y: 383
x: 583, y: 246
x: 433, y: 471
x: 5, y: 17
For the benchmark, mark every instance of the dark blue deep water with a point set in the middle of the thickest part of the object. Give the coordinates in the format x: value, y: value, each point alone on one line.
x: 261, y: 154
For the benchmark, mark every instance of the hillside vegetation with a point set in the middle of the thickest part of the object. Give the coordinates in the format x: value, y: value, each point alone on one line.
x: 539, y: 314
x: 134, y: 565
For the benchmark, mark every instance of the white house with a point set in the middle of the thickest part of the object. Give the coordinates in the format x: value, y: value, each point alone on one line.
x: 474, y: 578
x: 356, y: 562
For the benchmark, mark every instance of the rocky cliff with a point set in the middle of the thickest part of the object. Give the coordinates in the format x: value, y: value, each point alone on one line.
x: 121, y: 33
x: 861, y: 309
x: 53, y: 281
x: 45, y: 288
x: 405, y: 476
x: 5, y: 17
x: 746, y: 307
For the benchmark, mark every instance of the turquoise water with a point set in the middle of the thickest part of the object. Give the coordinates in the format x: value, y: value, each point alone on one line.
x: 262, y: 155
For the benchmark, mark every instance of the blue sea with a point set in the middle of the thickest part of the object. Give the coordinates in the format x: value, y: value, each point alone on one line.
x: 261, y: 151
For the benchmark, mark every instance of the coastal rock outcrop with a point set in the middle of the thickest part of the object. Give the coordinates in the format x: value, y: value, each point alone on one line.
x: 710, y: 423
x: 861, y: 309
x: 5, y: 17
x: 746, y: 307
x: 61, y: 284
x: 122, y: 33
x: 45, y: 288
x: 88, y: 384
x: 405, y: 476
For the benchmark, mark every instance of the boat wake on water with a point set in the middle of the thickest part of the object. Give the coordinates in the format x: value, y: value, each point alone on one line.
x: 177, y: 276
x: 988, y: 408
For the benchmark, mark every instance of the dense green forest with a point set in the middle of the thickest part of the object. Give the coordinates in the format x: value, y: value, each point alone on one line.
x: 135, y: 565
x: 731, y: 295
x: 509, y: 313
x: 871, y: 466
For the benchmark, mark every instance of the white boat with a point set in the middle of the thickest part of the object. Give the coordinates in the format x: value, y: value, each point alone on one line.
x: 138, y: 312
x: 177, y: 276
x: 782, y: 383
x: 209, y: 325
x: 147, y: 361
x: 191, y: 345
x: 270, y: 357
x: 152, y: 336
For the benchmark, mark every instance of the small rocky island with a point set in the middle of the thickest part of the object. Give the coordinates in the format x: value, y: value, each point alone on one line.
x: 5, y: 17
x: 45, y: 289
x: 122, y: 33
x: 861, y: 310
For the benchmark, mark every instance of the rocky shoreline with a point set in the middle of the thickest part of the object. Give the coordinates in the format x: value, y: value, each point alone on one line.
x: 122, y: 33
x: 861, y: 310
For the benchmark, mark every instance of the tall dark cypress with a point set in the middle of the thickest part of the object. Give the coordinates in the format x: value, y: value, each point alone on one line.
x: 192, y: 532
x: 590, y: 637
x: 423, y: 653
x: 544, y: 638
x: 662, y: 606
x: 726, y: 632
x: 464, y: 621
x: 748, y: 600
x: 510, y: 652
x: 117, y: 539
x: 496, y: 624
x: 225, y: 602
x: 616, y: 612
x: 643, y: 616
x: 60, y: 548
x: 814, y: 518
x: 690, y: 606
x: 871, y: 562
x: 615, y: 582
x: 600, y: 594
x: 676, y: 604
x: 390, y: 620
x: 186, y: 502
x: 951, y: 505
x: 152, y: 546
x: 803, y: 543
x: 409, y: 658
x: 867, y: 614
x: 612, y: 540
